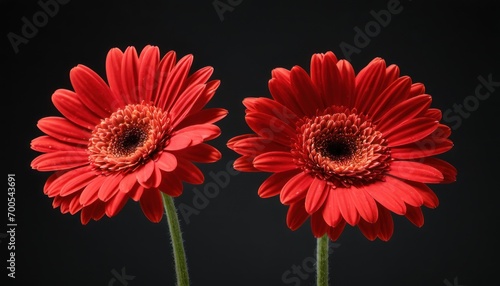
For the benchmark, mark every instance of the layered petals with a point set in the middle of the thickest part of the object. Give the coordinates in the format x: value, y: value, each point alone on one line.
x: 346, y: 148
x: 133, y: 136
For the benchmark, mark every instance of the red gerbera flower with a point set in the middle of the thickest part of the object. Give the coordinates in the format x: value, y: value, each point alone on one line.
x: 133, y: 137
x: 345, y: 147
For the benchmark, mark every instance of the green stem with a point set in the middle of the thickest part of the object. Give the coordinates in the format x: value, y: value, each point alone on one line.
x: 177, y: 243
x: 322, y: 261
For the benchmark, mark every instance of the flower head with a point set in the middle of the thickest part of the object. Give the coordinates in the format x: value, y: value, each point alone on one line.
x: 134, y: 136
x: 346, y: 148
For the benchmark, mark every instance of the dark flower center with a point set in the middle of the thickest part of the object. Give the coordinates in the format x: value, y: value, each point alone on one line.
x: 338, y: 148
x: 128, y: 137
x: 130, y: 140
x: 341, y: 147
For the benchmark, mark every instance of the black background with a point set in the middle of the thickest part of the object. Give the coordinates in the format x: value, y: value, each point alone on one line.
x: 239, y: 238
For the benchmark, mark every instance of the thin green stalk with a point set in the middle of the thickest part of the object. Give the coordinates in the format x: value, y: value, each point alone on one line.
x: 322, y: 261
x: 177, y: 242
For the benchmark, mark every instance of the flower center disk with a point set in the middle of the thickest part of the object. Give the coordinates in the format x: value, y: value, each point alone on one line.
x: 341, y: 147
x: 128, y: 138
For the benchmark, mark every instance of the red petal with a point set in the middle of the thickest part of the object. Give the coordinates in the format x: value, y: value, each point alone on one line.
x: 200, y: 76
x: 60, y: 160
x: 199, y: 133
x: 296, y: 215
x: 391, y: 74
x: 127, y: 183
x: 318, y: 225
x: 420, y: 149
x: 274, y: 161
x: 416, y: 89
x: 270, y: 127
x: 203, y: 153
x: 51, y: 181
x: 273, y: 184
x: 149, y: 175
x: 369, y: 230
x: 316, y: 195
x: 129, y: 76
x: 92, y: 91
x: 170, y: 185
x: 405, y: 191
x: 99, y: 211
x: 176, y: 79
x: 47, y: 144
x: 257, y: 145
x: 89, y: 194
x: 144, y: 172
x: 410, y: 131
x: 179, y: 141
x: 281, y: 74
x: 433, y: 113
x: 449, y: 172
x: 74, y: 205
x: 245, y: 164
x: 230, y: 143
x: 282, y: 91
x: 166, y: 162
x: 386, y: 195
x: 316, y: 69
x: 57, y: 180
x: 109, y: 187
x: 335, y: 232
x: 148, y: 65
x: 152, y: 205
x: 113, y: 75
x: 270, y: 107
x: 332, y: 82
x: 331, y: 211
x: 365, y: 204
x: 348, y: 83
x: 403, y: 111
x: 86, y: 215
x: 369, y: 84
x: 395, y: 93
x: 415, y: 215
x: 295, y: 189
x: 185, y: 102
x: 205, y: 97
x: 307, y: 94
x: 429, y: 198
x: 346, y: 206
x: 386, y: 224
x: 73, y: 109
x: 166, y: 64
x: 136, y: 192
x: 441, y: 133
x: 95, y: 211
x: 415, y: 171
x: 188, y: 172
x: 116, y: 204
x: 63, y: 130
x: 206, y: 116
x: 77, y: 183
x: 59, y: 201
